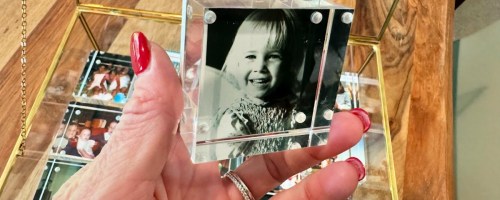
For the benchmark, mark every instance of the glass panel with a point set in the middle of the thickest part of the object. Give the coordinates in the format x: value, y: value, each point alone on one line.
x: 149, y: 5
x: 361, y: 76
x: 370, y: 16
x: 76, y: 66
x: 112, y: 33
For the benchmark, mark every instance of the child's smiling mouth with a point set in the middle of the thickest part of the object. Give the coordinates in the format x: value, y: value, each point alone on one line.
x: 259, y: 82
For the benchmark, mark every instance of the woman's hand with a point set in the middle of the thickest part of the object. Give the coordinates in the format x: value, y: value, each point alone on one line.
x: 146, y: 157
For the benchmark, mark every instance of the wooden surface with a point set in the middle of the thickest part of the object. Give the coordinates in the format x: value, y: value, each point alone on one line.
x: 42, y: 44
x: 417, y: 64
x: 430, y: 132
x: 416, y: 53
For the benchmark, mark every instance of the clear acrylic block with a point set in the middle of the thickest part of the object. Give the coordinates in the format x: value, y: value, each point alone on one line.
x: 260, y: 76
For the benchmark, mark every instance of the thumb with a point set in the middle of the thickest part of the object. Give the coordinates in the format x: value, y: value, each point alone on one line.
x: 135, y: 155
x: 150, y: 118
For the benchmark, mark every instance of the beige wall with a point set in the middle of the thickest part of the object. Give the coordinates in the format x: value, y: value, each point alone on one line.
x: 478, y: 115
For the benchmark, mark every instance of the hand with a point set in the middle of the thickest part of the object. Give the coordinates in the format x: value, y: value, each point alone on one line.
x: 146, y: 157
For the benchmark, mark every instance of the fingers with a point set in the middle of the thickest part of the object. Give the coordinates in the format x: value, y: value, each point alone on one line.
x: 264, y: 172
x: 337, y: 181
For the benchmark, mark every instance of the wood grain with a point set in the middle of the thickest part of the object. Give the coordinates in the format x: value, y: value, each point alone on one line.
x: 403, y: 51
x: 11, y: 24
x: 397, y: 49
x: 429, y: 157
x: 42, y: 44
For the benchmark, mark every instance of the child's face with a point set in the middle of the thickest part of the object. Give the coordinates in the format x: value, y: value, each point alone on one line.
x: 85, y: 134
x: 259, y: 65
x: 72, y: 131
x: 102, y: 68
x: 112, y: 75
x: 124, y: 71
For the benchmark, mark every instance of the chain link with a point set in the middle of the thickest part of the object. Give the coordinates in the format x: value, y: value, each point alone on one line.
x: 24, y: 25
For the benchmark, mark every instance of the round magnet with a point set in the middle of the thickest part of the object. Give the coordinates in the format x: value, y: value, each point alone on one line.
x: 328, y: 114
x: 347, y: 17
x: 316, y: 17
x: 209, y: 17
x: 189, y: 11
x: 190, y: 74
x: 300, y: 117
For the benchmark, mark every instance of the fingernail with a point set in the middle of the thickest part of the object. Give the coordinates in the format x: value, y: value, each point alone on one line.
x: 356, y: 163
x: 364, y: 117
x: 139, y: 52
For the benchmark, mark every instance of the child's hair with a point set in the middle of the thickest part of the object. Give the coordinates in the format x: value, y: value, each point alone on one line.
x: 102, y: 65
x: 284, y: 33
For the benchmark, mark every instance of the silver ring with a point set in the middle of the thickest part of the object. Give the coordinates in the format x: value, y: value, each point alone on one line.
x: 247, y: 195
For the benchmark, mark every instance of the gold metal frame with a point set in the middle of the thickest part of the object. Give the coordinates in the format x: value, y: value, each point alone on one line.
x: 172, y: 18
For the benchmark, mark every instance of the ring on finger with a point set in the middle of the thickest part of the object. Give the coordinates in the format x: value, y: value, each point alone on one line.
x: 247, y: 195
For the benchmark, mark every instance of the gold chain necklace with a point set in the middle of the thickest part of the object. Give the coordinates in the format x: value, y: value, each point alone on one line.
x: 24, y: 24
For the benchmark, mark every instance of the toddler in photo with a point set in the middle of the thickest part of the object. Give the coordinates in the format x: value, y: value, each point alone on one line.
x: 262, y: 64
x: 114, y: 84
x: 98, y: 83
x: 85, y: 144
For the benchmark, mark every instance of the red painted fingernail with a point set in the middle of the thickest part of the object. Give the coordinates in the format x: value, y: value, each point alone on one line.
x: 364, y: 117
x: 356, y: 163
x: 139, y: 52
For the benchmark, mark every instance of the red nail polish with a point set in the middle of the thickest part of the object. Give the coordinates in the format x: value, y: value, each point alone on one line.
x: 139, y: 52
x: 356, y: 163
x: 364, y: 117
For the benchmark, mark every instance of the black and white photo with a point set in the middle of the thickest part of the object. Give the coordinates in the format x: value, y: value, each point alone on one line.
x: 258, y: 78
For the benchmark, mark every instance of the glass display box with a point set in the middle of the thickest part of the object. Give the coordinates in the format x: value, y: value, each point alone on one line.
x: 347, y: 65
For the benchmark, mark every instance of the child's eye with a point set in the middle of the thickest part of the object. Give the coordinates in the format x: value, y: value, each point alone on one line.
x: 275, y: 56
x: 251, y: 57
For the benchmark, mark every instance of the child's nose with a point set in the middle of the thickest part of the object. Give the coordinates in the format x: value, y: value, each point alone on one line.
x: 260, y: 65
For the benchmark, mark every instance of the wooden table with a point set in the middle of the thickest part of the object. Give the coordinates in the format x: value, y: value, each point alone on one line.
x: 417, y: 68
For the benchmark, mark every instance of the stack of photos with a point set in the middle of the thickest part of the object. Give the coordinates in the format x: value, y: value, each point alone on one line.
x: 105, y: 84
x: 277, y: 74
x: 88, y: 123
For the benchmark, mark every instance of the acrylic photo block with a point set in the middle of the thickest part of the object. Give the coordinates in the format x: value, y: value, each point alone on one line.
x: 54, y: 175
x: 107, y: 79
x: 260, y: 78
x: 84, y: 131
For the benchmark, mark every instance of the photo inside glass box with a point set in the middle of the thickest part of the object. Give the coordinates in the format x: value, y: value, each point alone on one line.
x: 55, y: 174
x: 105, y: 80
x: 85, y: 130
x: 260, y: 76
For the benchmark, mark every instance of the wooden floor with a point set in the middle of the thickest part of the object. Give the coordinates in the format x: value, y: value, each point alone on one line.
x: 417, y: 69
